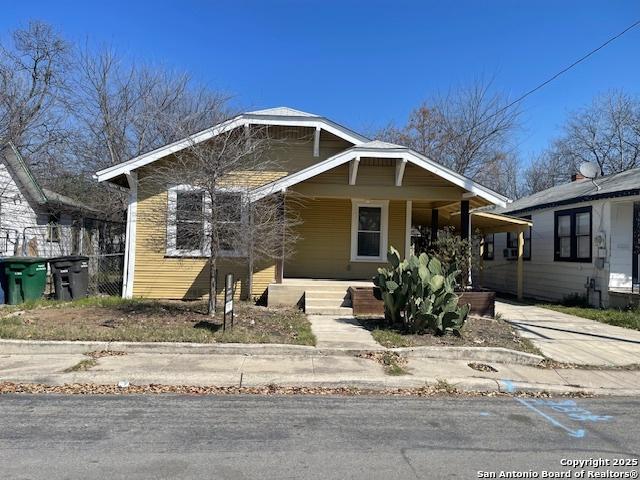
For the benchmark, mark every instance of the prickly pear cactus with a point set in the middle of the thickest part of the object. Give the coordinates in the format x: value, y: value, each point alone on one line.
x: 420, y: 293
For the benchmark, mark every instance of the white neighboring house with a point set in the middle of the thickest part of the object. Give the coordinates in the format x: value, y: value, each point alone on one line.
x: 35, y: 221
x: 584, y: 239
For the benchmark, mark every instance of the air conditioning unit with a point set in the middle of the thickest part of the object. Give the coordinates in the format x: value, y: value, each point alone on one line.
x: 510, y: 253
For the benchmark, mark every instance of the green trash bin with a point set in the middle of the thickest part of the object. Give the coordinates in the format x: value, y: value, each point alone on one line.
x: 26, y: 278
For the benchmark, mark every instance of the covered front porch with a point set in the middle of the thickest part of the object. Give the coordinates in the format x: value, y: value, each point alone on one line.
x: 352, y: 207
x: 319, y: 276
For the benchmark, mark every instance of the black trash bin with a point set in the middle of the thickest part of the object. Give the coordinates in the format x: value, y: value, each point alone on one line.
x: 70, y: 276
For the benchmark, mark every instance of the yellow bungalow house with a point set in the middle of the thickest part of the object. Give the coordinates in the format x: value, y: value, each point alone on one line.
x: 361, y: 197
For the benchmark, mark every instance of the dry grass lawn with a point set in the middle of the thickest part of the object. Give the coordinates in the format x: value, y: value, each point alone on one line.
x: 115, y: 319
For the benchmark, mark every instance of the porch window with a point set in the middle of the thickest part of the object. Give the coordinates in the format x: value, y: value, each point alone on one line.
x: 487, y: 253
x: 369, y: 231
x: 573, y: 235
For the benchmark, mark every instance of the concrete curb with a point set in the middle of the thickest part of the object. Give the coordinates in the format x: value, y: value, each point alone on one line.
x: 463, y: 385
x: 486, y: 354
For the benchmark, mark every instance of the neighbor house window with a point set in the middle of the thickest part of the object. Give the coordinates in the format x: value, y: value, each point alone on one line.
x: 512, y: 241
x: 369, y: 231
x: 487, y: 253
x: 185, y: 221
x: 53, y: 229
x: 573, y: 235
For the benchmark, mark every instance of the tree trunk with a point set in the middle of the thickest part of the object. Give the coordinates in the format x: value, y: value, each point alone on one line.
x: 213, y: 267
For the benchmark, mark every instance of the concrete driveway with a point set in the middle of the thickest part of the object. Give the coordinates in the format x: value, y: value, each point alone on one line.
x: 571, y: 339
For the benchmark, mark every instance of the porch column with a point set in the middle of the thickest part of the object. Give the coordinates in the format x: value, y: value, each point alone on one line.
x: 520, y: 269
x: 407, y: 228
x: 481, y: 262
x: 434, y: 224
x: 464, y: 220
x: 280, y: 261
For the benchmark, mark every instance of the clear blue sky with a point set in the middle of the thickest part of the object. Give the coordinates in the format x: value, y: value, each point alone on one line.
x: 367, y: 63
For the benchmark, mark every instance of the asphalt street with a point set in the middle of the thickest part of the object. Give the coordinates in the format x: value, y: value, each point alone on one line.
x: 212, y: 437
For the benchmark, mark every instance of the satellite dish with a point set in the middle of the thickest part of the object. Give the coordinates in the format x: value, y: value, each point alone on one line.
x: 589, y: 170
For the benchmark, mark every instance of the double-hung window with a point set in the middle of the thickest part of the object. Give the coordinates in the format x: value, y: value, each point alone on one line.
x: 189, y: 222
x: 185, y: 226
x: 369, y: 231
x: 230, y: 208
x: 573, y: 235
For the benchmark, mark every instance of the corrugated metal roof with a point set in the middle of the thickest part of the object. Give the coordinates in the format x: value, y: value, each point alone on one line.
x: 619, y: 184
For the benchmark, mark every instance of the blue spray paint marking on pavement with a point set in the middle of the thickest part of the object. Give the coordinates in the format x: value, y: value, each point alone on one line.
x: 572, y: 433
x: 510, y: 387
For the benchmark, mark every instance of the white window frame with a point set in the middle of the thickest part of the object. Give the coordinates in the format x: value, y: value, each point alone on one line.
x: 172, y: 202
x: 384, y: 229
x: 171, y: 249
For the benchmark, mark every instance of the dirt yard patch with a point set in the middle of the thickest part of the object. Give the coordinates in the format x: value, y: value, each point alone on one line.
x: 477, y: 332
x: 153, y: 321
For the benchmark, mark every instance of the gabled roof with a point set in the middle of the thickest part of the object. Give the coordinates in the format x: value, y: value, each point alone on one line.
x: 281, y: 116
x: 41, y: 196
x: 618, y: 185
x: 381, y: 150
x: 23, y: 173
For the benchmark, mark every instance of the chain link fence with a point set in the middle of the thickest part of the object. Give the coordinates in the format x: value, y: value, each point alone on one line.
x: 103, y: 242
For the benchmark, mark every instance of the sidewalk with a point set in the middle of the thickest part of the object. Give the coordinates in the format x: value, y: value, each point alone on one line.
x: 333, y: 331
x: 307, y: 370
x: 570, y: 339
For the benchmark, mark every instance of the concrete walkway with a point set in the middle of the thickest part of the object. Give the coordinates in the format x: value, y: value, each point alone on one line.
x: 301, y: 370
x: 341, y: 332
x: 571, y: 339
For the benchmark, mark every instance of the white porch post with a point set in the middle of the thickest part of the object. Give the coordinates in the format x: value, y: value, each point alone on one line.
x: 407, y: 228
x: 130, y: 244
x: 520, y: 268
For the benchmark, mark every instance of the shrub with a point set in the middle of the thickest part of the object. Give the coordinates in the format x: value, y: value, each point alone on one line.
x: 454, y: 253
x: 420, y: 293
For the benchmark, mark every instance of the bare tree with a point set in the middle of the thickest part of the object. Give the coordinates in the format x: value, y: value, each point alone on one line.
x: 607, y: 133
x: 210, y: 212
x: 33, y: 72
x: 122, y: 110
x: 469, y: 130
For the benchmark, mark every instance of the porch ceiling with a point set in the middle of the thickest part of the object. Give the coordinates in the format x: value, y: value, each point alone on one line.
x: 449, y: 215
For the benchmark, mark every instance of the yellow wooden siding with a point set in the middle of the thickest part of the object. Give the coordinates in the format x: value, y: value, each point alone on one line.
x: 158, y: 276
x: 324, y: 247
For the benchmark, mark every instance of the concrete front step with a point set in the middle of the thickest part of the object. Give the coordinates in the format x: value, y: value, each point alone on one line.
x: 327, y: 294
x: 327, y: 304
x: 314, y: 310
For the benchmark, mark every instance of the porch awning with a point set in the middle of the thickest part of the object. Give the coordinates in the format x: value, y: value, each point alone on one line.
x: 489, y: 222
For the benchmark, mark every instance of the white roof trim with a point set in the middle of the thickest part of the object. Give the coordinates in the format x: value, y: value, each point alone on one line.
x: 404, y: 153
x: 239, y: 121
